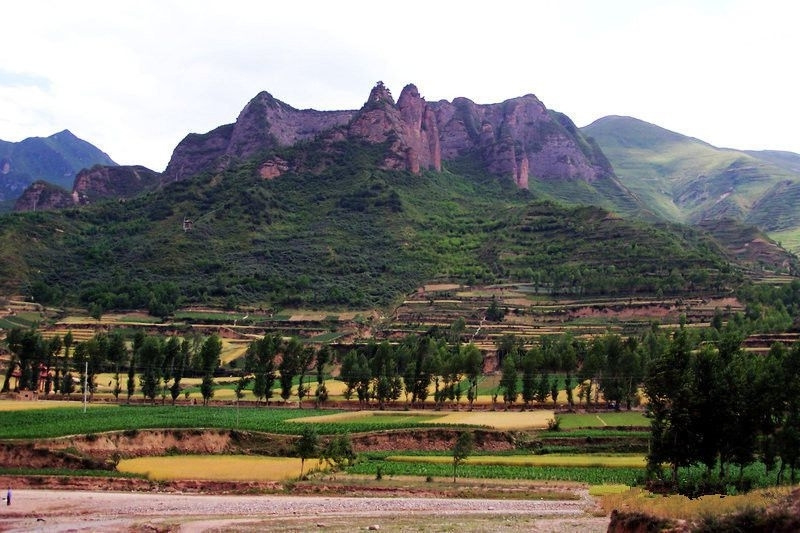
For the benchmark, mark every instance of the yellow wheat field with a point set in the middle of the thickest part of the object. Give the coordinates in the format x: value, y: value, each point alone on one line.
x: 552, y: 460
x: 19, y: 405
x: 492, y: 419
x: 218, y: 467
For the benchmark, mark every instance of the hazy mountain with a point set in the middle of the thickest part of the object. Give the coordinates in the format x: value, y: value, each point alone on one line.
x: 56, y: 159
x: 684, y: 179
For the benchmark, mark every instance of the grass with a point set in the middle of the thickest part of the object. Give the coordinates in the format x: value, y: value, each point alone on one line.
x: 549, y: 460
x: 590, y: 475
x: 596, y: 420
x: 62, y: 421
x: 65, y: 472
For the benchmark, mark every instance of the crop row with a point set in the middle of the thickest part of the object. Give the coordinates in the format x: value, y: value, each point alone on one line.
x: 591, y: 475
x: 58, y: 422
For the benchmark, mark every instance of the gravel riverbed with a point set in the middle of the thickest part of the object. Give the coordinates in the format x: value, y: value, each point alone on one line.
x: 79, y: 511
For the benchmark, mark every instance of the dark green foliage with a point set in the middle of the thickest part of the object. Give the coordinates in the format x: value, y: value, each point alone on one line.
x: 307, y: 445
x: 339, y: 453
x: 349, y: 235
x: 461, y: 450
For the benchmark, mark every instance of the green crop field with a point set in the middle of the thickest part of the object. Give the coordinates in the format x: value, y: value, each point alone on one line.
x: 590, y: 475
x: 73, y: 421
x: 597, y: 420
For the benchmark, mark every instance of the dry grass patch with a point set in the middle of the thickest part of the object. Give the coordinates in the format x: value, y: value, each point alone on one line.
x: 491, y: 419
x: 505, y: 420
x: 681, y: 507
x: 218, y: 467
x: 18, y: 405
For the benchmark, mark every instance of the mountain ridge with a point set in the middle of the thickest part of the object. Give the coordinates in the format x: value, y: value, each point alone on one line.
x: 56, y: 159
x: 685, y: 179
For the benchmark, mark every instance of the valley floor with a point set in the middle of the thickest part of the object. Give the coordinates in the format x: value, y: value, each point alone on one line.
x: 79, y: 511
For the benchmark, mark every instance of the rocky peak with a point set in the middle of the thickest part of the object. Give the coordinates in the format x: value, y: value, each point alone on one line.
x: 379, y: 96
x: 409, y: 126
x: 263, y: 124
x: 519, y: 138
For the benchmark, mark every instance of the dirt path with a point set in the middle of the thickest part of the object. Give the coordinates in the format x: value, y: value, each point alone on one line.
x: 78, y: 511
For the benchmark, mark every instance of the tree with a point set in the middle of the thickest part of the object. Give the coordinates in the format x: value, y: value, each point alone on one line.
x: 508, y: 381
x: 150, y: 356
x: 131, y: 383
x: 339, y: 451
x: 323, y: 356
x: 493, y: 312
x: 349, y: 373
x: 260, y: 360
x: 117, y: 354
x: 568, y: 386
x: 177, y: 370
x: 461, y: 450
x: 472, y: 361
x: 289, y: 366
x: 209, y: 358
x: 307, y: 445
x: 529, y: 366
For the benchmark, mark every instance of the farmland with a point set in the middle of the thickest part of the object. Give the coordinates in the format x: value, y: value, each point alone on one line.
x: 215, y: 468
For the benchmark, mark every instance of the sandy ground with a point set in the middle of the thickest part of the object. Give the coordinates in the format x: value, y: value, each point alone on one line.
x: 77, y: 511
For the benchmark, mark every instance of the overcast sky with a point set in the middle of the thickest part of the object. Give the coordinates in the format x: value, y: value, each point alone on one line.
x: 134, y: 78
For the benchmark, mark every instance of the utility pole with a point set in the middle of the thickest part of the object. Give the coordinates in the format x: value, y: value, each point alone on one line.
x: 85, y: 383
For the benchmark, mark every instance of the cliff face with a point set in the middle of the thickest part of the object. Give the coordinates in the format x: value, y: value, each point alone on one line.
x: 264, y: 123
x: 410, y: 126
x: 113, y: 182
x: 518, y: 138
x: 90, y: 184
x: 43, y: 196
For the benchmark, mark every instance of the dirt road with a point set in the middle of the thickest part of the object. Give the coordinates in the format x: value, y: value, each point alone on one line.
x: 79, y: 511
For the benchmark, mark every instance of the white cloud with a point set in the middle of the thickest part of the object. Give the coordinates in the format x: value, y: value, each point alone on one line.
x: 136, y: 77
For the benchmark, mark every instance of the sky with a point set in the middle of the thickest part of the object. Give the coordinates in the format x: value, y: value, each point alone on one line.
x: 135, y: 77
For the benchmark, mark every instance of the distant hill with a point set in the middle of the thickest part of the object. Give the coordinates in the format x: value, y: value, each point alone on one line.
x: 684, y: 179
x: 56, y: 159
x: 302, y: 208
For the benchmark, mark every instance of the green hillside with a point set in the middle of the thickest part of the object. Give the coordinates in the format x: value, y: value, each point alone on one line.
x: 347, y: 235
x: 683, y: 179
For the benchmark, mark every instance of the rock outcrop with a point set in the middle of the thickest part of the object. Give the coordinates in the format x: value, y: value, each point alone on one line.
x: 43, y: 196
x: 409, y: 126
x: 91, y: 184
x: 264, y: 123
x: 519, y: 138
x: 113, y: 182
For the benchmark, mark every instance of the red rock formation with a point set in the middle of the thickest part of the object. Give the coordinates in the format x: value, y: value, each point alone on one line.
x: 42, y: 196
x: 410, y: 126
x: 264, y: 123
x: 518, y: 138
x: 98, y: 182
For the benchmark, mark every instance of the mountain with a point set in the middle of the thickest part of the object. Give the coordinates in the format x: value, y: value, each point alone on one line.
x: 684, y: 179
x: 519, y: 140
x: 55, y: 159
x: 305, y: 208
x: 91, y: 184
